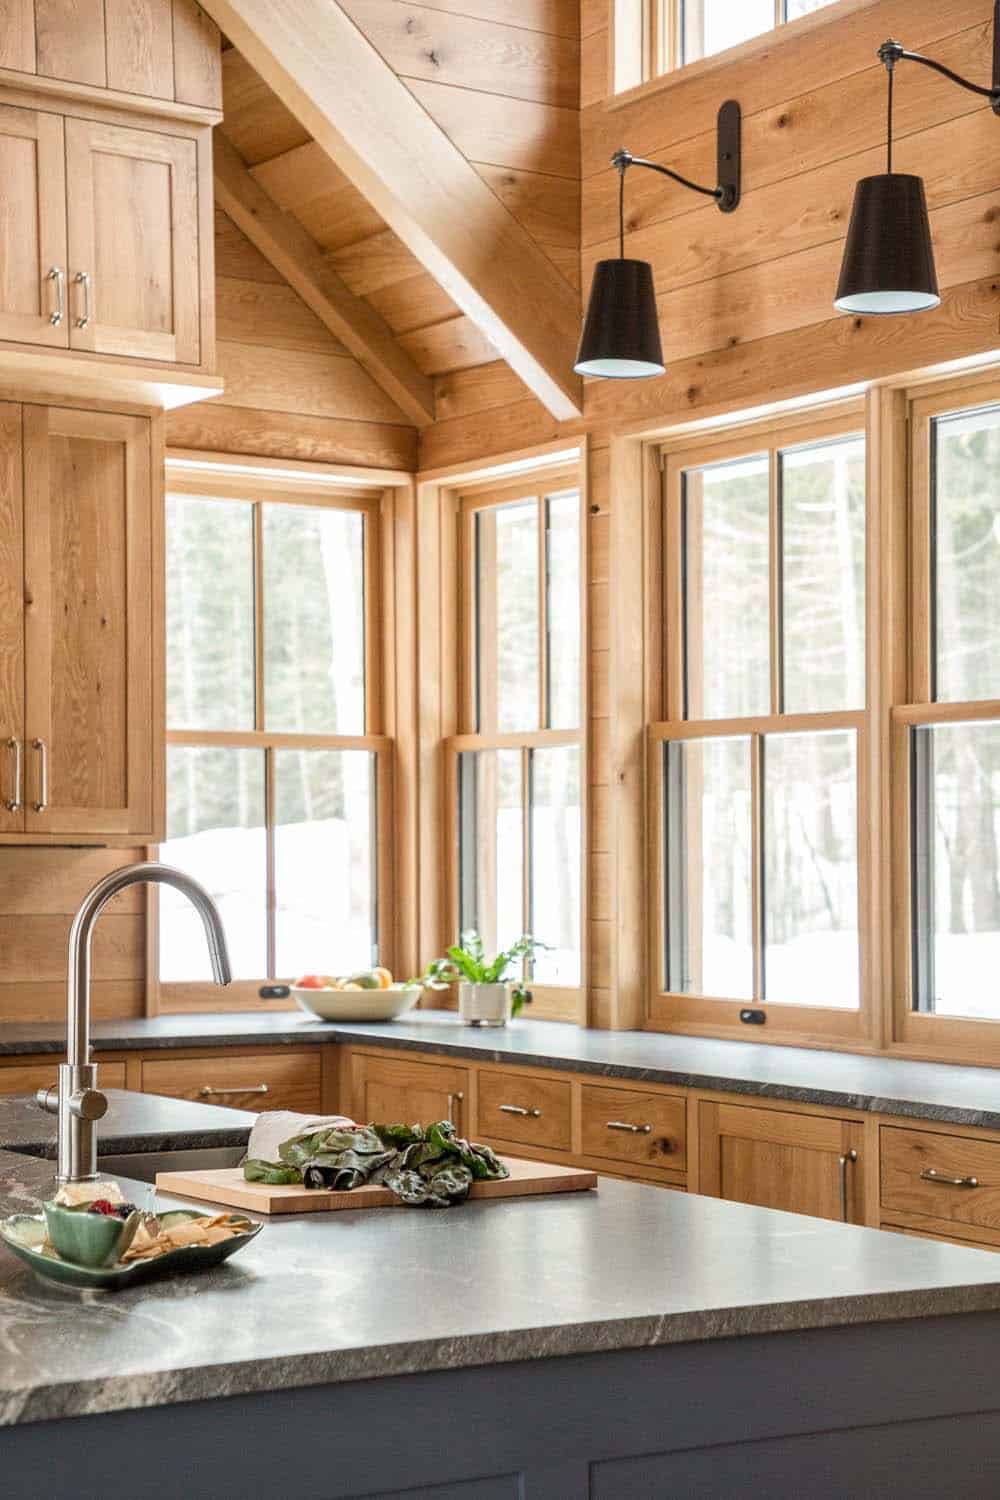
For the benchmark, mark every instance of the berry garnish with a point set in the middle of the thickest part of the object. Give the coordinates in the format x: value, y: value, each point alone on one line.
x: 122, y: 1210
x: 102, y: 1206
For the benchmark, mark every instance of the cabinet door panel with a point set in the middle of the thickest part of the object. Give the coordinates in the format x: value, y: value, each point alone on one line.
x: 799, y: 1163
x: 393, y: 1091
x: 11, y: 620
x: 88, y: 622
x: 133, y: 232
x: 32, y: 228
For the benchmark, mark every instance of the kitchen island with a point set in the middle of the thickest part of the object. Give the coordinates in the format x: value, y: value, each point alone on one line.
x: 619, y: 1343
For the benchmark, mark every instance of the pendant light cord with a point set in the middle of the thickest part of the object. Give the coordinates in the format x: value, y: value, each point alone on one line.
x: 621, y: 211
x: 892, y: 79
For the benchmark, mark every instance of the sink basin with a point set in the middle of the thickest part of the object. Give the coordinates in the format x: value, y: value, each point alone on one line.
x: 142, y: 1166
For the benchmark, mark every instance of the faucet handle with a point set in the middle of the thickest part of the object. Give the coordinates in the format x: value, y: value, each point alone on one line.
x: 88, y: 1104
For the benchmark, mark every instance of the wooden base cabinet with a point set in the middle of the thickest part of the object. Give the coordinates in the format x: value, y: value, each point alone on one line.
x: 805, y: 1164
x: 77, y: 624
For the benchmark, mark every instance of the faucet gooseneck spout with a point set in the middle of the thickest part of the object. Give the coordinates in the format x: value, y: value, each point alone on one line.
x: 76, y: 1098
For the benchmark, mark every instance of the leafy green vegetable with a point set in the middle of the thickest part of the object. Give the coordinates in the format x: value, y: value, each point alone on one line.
x: 426, y: 1166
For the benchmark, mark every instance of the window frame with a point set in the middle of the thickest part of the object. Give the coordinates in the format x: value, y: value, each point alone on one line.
x: 647, y: 44
x: 549, y: 1002
x: 256, y: 486
x: 922, y: 1033
x: 713, y: 1016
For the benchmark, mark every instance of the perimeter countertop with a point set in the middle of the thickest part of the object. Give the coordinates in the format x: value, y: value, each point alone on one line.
x: 328, y: 1298
x: 839, y: 1080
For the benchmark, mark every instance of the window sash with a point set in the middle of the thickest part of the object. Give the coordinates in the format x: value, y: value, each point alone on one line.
x: 683, y: 1005
x: 550, y: 1001
x: 255, y: 492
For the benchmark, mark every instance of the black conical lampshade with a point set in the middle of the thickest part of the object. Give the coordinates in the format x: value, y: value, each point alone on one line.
x: 621, y: 332
x: 888, y: 262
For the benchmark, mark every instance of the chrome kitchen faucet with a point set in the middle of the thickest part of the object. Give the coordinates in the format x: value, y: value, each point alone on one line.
x: 76, y: 1098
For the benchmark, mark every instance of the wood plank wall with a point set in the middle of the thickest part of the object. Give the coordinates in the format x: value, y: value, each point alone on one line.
x: 292, y: 391
x: 40, y: 890
x: 745, y: 300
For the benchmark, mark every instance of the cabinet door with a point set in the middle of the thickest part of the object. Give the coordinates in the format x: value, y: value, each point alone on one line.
x: 132, y: 200
x: 11, y: 622
x: 88, y: 622
x: 800, y: 1163
x: 394, y: 1090
x: 33, y: 290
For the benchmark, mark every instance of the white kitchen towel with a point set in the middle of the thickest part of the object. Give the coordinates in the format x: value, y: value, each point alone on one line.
x: 276, y: 1126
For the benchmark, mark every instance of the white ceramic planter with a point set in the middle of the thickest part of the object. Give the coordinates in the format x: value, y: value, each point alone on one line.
x: 484, y: 1004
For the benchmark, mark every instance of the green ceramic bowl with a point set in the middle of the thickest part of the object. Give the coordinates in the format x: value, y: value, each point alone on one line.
x: 89, y: 1239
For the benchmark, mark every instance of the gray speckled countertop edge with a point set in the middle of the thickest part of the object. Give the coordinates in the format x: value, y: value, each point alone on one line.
x: 940, y: 1092
x: 130, y: 1391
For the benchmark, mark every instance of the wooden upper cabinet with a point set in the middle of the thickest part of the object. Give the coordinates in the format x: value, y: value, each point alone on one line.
x: 88, y: 735
x: 132, y: 211
x: 805, y: 1164
x: 32, y: 228
x: 11, y: 621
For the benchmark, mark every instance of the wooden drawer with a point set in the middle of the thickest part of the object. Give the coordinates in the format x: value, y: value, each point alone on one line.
x: 627, y: 1125
x: 275, y: 1080
x: 405, y: 1090
x: 25, y: 1078
x: 529, y: 1111
x: 949, y: 1179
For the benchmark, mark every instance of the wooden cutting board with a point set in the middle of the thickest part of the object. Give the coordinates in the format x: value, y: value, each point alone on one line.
x: 228, y: 1186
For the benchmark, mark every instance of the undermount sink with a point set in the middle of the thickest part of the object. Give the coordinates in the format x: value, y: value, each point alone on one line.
x: 142, y: 1166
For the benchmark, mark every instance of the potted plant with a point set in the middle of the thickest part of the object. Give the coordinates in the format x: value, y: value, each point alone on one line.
x: 486, y: 995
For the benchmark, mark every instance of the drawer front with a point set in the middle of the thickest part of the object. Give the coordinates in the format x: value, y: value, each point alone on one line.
x: 280, y: 1080
x: 526, y: 1110
x: 945, y: 1177
x: 25, y: 1078
x: 394, y: 1090
x: 626, y: 1125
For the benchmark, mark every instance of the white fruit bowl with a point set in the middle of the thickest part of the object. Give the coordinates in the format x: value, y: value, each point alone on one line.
x: 358, y: 1005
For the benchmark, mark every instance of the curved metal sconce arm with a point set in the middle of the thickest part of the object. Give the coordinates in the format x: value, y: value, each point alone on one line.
x: 728, y: 151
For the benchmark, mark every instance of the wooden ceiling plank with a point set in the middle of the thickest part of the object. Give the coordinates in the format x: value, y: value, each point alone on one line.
x: 286, y: 245
x: 349, y: 100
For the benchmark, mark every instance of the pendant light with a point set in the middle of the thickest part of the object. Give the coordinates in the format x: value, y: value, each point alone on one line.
x: 888, y: 266
x: 621, y: 331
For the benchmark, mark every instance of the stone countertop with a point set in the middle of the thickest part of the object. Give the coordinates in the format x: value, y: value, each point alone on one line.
x: 328, y: 1298
x: 134, y: 1122
x: 838, y: 1080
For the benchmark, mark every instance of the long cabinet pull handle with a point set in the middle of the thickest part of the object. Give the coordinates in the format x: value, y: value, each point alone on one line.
x: 632, y: 1129
x: 82, y: 280
x: 207, y: 1092
x: 515, y: 1109
x: 845, y: 1161
x: 453, y: 1099
x: 933, y: 1175
x: 57, y: 275
x: 14, y: 803
x: 43, y: 775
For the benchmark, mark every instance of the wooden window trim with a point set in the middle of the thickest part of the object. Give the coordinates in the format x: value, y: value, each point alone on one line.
x: 389, y: 736
x: 664, y: 1011
x: 454, y: 507
x: 645, y: 51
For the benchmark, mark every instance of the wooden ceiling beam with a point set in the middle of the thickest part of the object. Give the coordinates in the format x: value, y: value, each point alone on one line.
x: 332, y: 79
x: 292, y: 251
